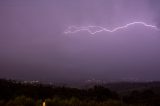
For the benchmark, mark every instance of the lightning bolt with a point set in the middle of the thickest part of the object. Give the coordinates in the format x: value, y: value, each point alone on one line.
x: 97, y: 29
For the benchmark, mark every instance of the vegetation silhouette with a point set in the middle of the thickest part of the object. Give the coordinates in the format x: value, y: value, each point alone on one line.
x: 14, y: 93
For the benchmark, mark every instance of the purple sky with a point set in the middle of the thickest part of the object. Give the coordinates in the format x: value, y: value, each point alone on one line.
x: 33, y: 45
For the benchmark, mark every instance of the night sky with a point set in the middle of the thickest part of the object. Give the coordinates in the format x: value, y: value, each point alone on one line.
x: 33, y: 45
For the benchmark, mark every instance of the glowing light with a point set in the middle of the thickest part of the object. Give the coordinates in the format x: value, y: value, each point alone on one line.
x: 44, y: 104
x: 97, y: 29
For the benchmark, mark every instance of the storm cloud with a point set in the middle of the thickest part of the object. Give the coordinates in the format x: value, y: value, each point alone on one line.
x: 33, y: 44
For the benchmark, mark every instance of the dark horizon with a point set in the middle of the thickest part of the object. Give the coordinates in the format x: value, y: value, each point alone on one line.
x: 33, y: 45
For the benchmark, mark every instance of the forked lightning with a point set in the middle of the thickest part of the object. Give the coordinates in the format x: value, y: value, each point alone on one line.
x: 97, y: 29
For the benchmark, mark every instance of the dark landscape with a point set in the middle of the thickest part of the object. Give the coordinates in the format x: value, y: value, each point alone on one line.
x: 18, y: 93
x: 79, y: 52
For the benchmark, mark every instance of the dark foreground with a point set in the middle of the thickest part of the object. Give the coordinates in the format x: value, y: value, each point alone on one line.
x: 13, y: 93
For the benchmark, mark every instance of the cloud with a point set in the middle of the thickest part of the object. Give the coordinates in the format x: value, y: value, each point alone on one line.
x: 155, y: 8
